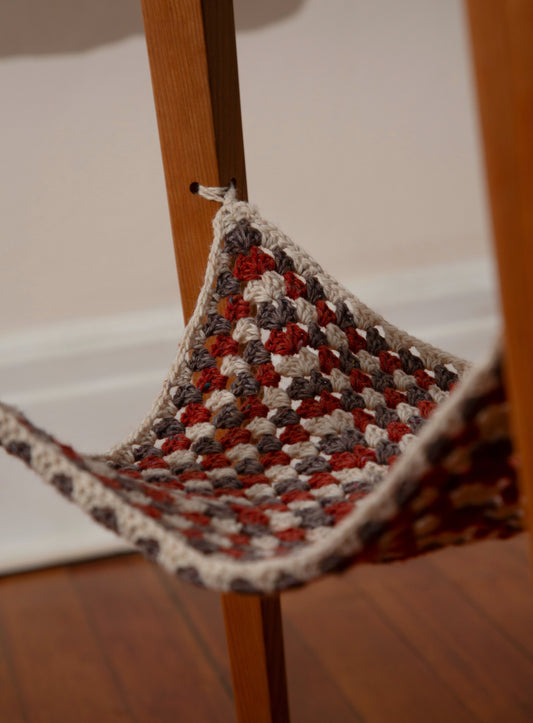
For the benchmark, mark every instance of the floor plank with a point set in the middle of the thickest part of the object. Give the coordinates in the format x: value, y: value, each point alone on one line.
x: 448, y: 637
x: 501, y: 588
x: 60, y: 670
x: 161, y: 668
x: 472, y: 655
x: 378, y: 670
x: 11, y: 706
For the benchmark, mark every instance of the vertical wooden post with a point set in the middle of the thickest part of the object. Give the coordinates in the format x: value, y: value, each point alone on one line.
x: 193, y: 62
x: 502, y: 41
x: 255, y: 642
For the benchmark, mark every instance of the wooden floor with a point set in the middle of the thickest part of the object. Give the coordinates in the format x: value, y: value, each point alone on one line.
x: 447, y: 638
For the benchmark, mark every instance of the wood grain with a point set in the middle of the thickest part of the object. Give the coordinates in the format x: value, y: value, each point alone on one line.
x: 221, y: 50
x: 11, y: 701
x: 502, y: 42
x: 501, y: 589
x: 159, y: 665
x: 378, y: 668
x: 196, y: 95
x: 60, y: 671
x: 255, y: 644
x: 452, y: 636
x: 444, y: 638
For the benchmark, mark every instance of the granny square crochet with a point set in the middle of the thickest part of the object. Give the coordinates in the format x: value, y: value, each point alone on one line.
x: 297, y: 432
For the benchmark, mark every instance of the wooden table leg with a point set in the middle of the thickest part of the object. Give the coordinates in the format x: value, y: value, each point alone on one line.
x: 255, y: 644
x: 502, y: 41
x: 193, y: 62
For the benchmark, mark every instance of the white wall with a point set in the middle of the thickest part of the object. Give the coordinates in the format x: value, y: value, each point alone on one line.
x: 360, y: 139
x: 361, y: 142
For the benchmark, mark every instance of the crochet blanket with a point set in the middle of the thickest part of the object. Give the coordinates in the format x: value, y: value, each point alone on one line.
x: 297, y: 433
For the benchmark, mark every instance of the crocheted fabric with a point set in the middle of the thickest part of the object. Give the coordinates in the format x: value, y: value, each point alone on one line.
x: 296, y: 434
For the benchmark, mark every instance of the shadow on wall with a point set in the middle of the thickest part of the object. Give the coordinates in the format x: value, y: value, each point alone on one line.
x: 251, y: 14
x: 36, y: 27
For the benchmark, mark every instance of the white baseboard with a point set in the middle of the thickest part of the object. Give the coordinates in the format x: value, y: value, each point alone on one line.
x: 90, y: 381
